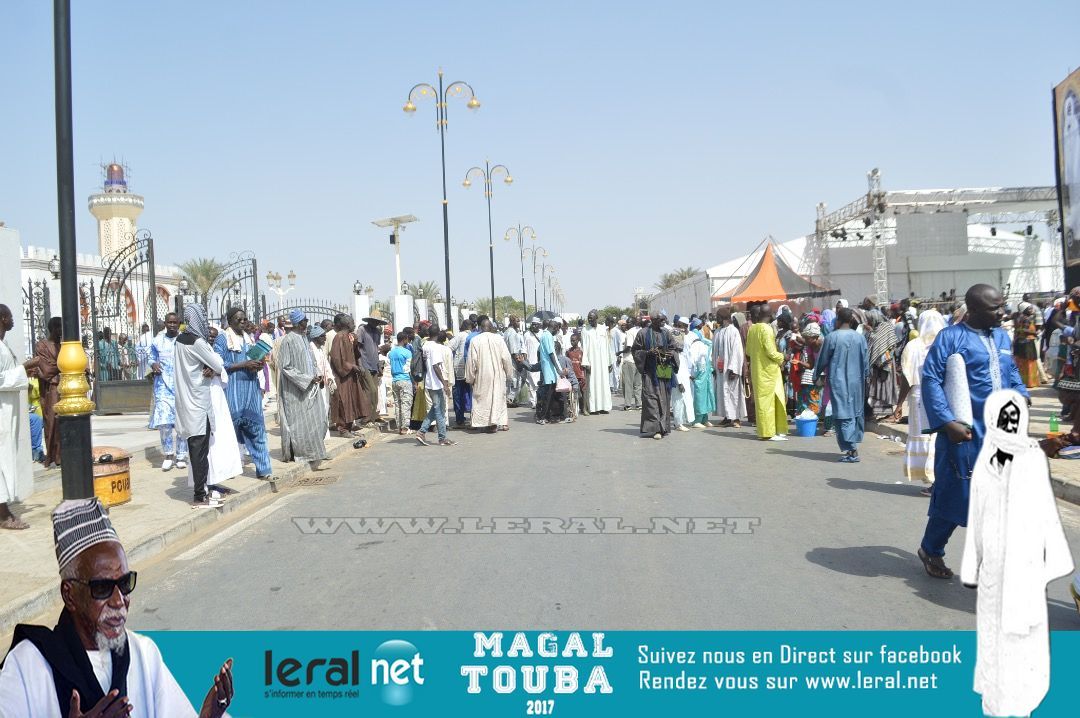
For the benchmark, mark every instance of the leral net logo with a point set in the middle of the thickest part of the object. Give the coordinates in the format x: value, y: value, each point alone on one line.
x: 395, y: 668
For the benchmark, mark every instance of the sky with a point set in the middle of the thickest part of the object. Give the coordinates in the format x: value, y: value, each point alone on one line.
x: 641, y: 136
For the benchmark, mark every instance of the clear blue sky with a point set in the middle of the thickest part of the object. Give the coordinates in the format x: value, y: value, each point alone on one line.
x: 642, y: 136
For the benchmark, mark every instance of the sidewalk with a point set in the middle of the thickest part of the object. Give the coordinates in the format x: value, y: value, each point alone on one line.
x: 158, y: 515
x: 1064, y: 473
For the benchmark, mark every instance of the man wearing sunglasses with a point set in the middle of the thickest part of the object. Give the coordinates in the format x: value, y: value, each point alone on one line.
x: 90, y: 665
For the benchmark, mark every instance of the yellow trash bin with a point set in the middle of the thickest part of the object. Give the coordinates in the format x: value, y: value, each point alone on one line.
x: 112, y: 479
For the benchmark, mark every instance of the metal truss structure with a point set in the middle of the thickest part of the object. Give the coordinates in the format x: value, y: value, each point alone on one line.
x: 869, y: 221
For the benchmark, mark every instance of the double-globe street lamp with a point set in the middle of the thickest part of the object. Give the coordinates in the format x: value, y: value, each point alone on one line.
x: 534, y: 250
x: 521, y: 232
x: 488, y: 172
x: 273, y: 281
x: 423, y: 91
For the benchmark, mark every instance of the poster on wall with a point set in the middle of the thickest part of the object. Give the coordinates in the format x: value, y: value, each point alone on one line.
x: 1067, y: 143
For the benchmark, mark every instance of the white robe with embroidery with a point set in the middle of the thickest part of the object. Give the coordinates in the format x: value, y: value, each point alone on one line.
x: 13, y: 382
x: 1013, y: 546
x: 27, y: 688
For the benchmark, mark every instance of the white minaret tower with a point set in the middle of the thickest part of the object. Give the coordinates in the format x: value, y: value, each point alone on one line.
x: 116, y: 211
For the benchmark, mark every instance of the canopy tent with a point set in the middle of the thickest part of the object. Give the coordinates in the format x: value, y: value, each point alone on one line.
x: 772, y: 279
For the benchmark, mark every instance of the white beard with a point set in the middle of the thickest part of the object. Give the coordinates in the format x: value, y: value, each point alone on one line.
x: 116, y: 645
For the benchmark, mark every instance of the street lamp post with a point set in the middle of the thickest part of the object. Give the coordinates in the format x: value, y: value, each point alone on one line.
x: 74, y: 408
x: 488, y: 172
x: 455, y: 89
x: 543, y: 253
x: 520, y: 232
x: 544, y: 269
x: 273, y: 281
x: 398, y: 224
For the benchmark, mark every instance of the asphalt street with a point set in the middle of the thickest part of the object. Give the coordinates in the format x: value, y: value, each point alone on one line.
x: 833, y: 546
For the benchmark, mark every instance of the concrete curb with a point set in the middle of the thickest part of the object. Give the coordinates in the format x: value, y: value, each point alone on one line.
x: 36, y: 602
x: 1064, y: 489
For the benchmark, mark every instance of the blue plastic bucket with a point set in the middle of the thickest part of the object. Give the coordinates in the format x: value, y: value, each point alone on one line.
x: 806, y: 427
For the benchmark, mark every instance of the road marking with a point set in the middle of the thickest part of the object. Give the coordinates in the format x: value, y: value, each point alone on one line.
x: 200, y: 550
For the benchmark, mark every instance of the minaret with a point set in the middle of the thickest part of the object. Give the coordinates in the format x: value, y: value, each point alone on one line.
x: 116, y: 211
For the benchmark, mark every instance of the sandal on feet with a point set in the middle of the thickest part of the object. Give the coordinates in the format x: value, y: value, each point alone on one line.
x: 934, y: 565
x: 13, y: 523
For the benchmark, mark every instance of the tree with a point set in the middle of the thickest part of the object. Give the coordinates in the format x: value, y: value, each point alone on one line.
x: 670, y: 279
x: 202, y: 272
x: 430, y: 291
x: 614, y: 311
x: 504, y: 305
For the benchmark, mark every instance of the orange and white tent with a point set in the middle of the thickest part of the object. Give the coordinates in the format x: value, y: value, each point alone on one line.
x: 772, y: 279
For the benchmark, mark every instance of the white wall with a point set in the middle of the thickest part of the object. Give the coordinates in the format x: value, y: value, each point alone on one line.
x: 11, y: 295
x: 692, y: 296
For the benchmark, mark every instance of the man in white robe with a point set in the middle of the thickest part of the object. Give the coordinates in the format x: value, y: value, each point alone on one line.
x: 682, y: 394
x: 615, y: 331
x: 486, y: 369
x: 596, y: 360
x: 142, y: 351
x: 90, y: 664
x: 13, y: 382
x: 631, y: 377
x: 728, y: 359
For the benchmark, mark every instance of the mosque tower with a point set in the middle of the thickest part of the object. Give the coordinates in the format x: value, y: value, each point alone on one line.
x: 115, y: 209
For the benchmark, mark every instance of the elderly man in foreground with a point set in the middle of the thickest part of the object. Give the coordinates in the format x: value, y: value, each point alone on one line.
x: 90, y: 665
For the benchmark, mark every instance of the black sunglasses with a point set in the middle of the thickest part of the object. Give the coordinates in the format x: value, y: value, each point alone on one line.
x: 102, y: 589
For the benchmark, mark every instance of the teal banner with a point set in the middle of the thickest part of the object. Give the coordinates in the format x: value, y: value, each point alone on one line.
x: 594, y: 673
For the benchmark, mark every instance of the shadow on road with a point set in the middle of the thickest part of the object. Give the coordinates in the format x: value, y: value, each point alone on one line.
x: 877, y: 561
x: 897, y: 489
x: 628, y: 430
x: 736, y: 433
x: 829, y: 457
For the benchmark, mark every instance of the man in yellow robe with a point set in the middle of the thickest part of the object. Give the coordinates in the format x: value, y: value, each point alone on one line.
x: 765, y: 363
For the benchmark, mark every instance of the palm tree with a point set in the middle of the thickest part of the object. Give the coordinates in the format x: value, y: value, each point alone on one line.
x: 670, y: 279
x: 430, y: 291
x: 202, y: 272
x: 504, y: 305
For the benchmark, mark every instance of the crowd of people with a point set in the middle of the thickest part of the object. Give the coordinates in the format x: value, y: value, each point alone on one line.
x: 834, y: 368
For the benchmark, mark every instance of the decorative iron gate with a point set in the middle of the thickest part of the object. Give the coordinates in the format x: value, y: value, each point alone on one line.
x: 315, y: 309
x: 126, y: 299
x: 36, y: 313
x: 236, y: 286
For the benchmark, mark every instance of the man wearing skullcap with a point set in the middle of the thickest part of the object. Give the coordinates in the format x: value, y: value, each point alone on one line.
x: 89, y: 664
x: 303, y: 414
x: 317, y: 338
x: 196, y: 364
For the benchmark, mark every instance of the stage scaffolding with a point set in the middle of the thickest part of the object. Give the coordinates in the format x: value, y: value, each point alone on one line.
x: 870, y: 221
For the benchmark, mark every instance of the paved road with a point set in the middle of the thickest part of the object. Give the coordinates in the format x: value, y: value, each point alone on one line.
x: 834, y: 548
